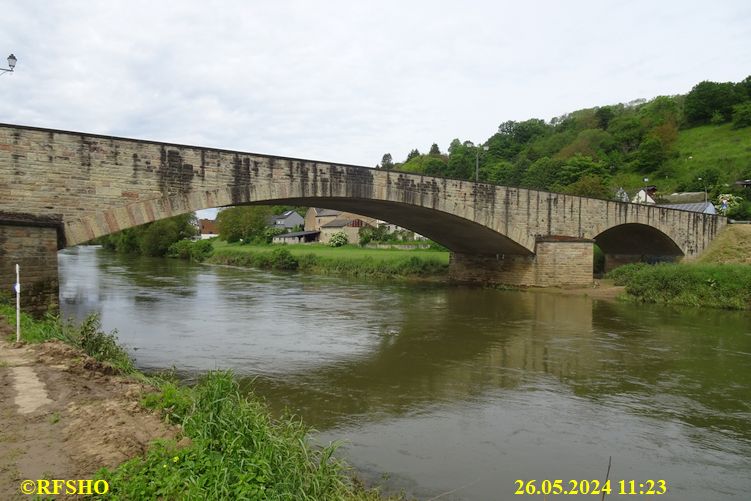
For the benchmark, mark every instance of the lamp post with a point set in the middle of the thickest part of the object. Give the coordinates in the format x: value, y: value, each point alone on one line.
x: 705, y: 188
x: 11, y: 64
x: 646, y: 180
x: 477, y: 162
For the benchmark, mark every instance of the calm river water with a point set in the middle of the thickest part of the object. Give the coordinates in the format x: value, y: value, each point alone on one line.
x: 439, y: 389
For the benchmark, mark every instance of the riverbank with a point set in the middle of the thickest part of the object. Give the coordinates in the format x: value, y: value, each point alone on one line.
x: 72, y: 414
x: 723, y: 286
x: 350, y: 260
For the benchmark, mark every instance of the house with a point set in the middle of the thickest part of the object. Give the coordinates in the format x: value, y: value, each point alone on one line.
x: 316, y: 218
x: 286, y: 220
x: 702, y: 207
x: 350, y: 227
x: 296, y: 237
x: 207, y: 228
x: 645, y: 195
x: 684, y: 197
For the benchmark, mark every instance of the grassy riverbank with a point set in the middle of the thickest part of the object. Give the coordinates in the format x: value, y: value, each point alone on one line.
x: 348, y: 260
x: 707, y: 285
x: 228, y: 446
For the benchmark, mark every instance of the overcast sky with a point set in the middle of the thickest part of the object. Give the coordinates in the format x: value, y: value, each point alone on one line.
x: 348, y: 81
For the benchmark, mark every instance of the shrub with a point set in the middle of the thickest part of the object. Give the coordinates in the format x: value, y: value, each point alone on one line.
x: 717, y: 286
x: 338, y: 239
x: 623, y: 274
x: 282, y: 259
x: 188, y: 249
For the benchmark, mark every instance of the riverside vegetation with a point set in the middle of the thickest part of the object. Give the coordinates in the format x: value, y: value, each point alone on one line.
x: 710, y: 285
x: 236, y: 450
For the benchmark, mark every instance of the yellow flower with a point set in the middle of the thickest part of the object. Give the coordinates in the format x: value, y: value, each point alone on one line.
x: 175, y: 459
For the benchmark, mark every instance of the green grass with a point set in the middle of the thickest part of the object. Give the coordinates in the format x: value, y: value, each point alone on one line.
x: 699, y: 285
x: 732, y: 246
x: 88, y: 336
x: 345, y: 252
x: 710, y: 147
x: 237, y: 451
x: 349, y: 261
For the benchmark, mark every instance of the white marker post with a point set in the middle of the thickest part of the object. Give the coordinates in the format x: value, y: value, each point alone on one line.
x: 18, y: 304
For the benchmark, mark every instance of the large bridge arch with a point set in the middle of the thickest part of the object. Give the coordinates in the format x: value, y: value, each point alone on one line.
x: 454, y: 232
x: 61, y: 188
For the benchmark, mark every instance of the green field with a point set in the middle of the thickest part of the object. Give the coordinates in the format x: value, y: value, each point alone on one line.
x: 349, y: 261
x: 347, y: 252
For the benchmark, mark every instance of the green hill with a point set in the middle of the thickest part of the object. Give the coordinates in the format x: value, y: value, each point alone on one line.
x: 692, y: 142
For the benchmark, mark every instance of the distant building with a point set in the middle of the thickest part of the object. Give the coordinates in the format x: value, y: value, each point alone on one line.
x: 207, y: 228
x: 297, y: 237
x: 350, y: 227
x: 684, y: 197
x: 316, y: 219
x: 645, y: 195
x: 287, y: 220
x: 702, y: 207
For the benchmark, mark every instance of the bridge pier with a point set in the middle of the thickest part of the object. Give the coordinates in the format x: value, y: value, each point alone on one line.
x: 557, y: 262
x: 32, y: 243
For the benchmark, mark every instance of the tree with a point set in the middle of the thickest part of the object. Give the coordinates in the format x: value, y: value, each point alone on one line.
x: 589, y: 186
x: 434, y: 150
x: 742, y: 115
x: 706, y: 98
x: 540, y: 175
x: 413, y: 154
x: 604, y: 115
x: 651, y: 154
x: 577, y: 167
x: 387, y: 162
x: 245, y: 222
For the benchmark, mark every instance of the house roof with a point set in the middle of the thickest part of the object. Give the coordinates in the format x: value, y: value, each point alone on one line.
x: 693, y: 207
x: 296, y: 234
x: 685, y: 197
x: 282, y: 216
x: 326, y: 212
x: 337, y: 223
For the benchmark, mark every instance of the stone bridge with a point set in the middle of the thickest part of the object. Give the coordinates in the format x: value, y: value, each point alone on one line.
x: 60, y: 188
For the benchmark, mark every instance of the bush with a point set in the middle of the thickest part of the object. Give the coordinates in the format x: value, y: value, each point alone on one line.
x: 338, y: 239
x: 623, y: 274
x: 742, y: 116
x: 197, y: 250
x: 282, y: 259
x: 717, y: 286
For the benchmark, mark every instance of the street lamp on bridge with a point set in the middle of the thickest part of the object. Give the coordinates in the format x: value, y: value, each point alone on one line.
x: 11, y: 64
x: 477, y: 161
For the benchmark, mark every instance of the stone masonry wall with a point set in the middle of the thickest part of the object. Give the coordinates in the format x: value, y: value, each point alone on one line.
x: 34, y: 248
x: 556, y: 263
x: 99, y: 185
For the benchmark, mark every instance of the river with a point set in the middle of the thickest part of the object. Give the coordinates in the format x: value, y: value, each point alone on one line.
x: 447, y: 391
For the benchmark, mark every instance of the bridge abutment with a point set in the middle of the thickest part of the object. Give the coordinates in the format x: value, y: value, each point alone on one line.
x: 557, y: 262
x: 32, y: 244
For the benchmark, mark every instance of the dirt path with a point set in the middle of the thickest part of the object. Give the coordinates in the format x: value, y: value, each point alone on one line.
x: 61, y: 417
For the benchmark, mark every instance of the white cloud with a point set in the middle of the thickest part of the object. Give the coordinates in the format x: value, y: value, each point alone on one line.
x: 349, y: 81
